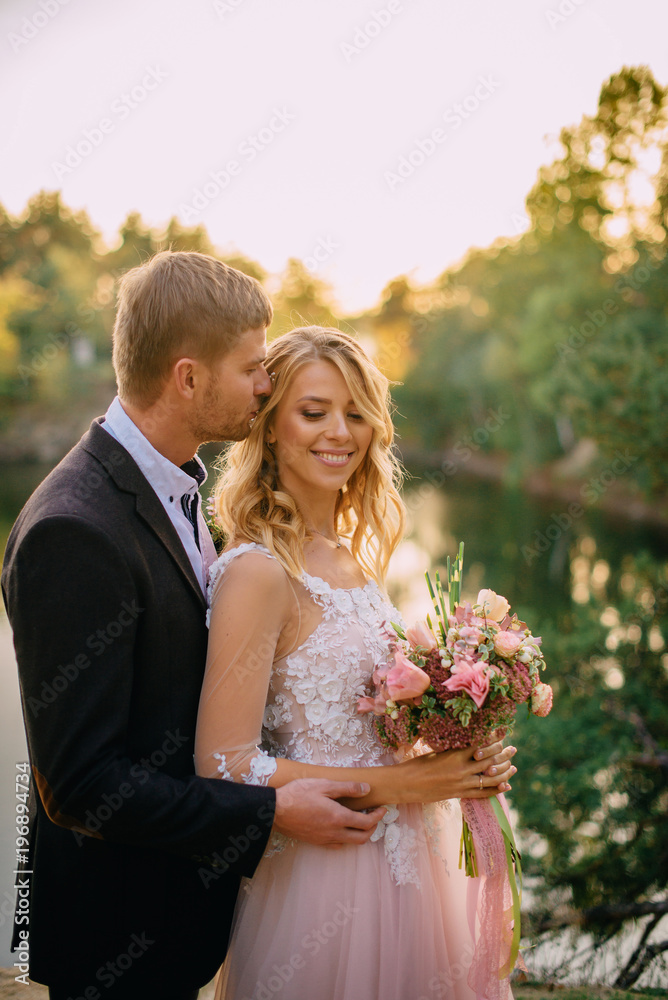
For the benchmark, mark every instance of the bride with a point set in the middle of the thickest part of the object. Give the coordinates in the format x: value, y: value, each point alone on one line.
x: 299, y: 621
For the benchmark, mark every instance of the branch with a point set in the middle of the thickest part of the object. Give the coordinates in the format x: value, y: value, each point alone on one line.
x: 628, y: 974
x: 627, y: 979
x: 659, y: 759
x: 616, y: 912
x: 653, y: 755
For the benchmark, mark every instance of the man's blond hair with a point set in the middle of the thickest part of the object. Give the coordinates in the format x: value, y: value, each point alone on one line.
x: 178, y: 305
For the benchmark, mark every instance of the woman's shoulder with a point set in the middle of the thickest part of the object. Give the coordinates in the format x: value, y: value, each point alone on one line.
x: 246, y: 559
x: 253, y: 572
x: 242, y: 552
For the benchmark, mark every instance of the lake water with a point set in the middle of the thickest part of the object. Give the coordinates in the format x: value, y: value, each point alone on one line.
x: 499, y: 528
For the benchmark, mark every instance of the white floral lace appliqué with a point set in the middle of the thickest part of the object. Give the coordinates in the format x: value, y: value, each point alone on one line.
x: 262, y: 766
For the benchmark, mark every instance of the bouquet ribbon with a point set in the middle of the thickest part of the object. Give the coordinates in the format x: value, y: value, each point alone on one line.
x: 494, y: 897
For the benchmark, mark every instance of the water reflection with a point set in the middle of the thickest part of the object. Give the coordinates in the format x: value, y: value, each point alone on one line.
x: 499, y: 529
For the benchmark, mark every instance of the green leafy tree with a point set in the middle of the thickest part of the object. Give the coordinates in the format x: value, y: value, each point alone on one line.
x: 301, y: 300
x: 597, y: 767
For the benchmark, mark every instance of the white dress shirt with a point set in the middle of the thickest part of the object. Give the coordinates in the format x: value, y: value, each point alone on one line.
x: 170, y: 484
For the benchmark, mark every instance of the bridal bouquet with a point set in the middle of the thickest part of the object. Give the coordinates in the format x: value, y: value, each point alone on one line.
x: 451, y: 686
x: 460, y: 684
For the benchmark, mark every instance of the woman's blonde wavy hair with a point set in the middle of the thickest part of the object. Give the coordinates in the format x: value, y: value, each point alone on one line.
x: 249, y: 501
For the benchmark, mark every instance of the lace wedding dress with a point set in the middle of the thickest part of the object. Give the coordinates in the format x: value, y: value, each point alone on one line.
x: 385, y: 920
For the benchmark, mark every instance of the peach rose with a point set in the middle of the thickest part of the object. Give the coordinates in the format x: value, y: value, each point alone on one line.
x: 405, y: 680
x: 419, y: 636
x: 541, y: 699
x: 506, y: 644
x: 493, y: 605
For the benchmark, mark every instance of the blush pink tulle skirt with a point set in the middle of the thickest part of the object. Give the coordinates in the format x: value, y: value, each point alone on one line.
x: 333, y: 924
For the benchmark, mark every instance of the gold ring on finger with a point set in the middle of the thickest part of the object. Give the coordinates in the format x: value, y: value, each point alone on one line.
x: 480, y: 779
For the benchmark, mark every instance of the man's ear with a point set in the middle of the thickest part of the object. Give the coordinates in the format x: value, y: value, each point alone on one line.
x: 184, y: 374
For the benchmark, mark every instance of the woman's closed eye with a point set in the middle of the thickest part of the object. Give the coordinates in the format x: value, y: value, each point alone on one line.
x: 315, y: 415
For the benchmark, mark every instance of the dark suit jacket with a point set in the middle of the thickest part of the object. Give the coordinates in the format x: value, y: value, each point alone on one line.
x: 127, y: 844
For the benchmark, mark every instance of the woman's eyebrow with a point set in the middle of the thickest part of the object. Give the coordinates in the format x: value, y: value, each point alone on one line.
x: 320, y: 399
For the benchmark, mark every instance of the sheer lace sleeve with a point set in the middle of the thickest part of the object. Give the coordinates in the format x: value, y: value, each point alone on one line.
x: 250, y: 601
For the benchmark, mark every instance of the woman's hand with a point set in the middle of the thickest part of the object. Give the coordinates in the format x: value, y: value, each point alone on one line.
x: 463, y: 774
x: 473, y: 773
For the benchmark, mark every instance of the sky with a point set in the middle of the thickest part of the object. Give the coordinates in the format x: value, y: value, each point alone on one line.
x: 369, y: 138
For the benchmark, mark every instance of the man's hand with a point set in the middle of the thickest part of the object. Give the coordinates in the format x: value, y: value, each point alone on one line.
x: 307, y: 810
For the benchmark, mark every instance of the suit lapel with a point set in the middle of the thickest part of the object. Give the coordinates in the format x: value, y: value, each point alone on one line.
x: 126, y: 474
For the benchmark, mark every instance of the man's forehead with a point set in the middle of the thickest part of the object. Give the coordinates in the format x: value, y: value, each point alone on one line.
x: 251, y: 346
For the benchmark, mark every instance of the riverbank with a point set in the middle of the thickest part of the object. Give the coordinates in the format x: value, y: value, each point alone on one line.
x: 579, y: 478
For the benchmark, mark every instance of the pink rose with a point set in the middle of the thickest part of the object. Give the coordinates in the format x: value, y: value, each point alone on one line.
x: 472, y: 679
x: 506, y: 644
x: 421, y: 637
x: 541, y: 699
x: 376, y: 705
x: 493, y: 605
x: 405, y: 680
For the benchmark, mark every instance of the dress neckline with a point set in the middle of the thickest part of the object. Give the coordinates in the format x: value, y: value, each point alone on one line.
x: 229, y: 554
x: 346, y: 590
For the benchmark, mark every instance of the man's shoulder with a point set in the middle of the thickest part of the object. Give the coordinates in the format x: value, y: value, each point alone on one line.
x: 95, y: 466
x: 92, y: 484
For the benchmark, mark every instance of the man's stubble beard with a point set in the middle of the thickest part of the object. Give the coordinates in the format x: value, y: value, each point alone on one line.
x: 214, y: 422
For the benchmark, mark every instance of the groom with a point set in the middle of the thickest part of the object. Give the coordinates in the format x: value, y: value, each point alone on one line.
x: 134, y: 862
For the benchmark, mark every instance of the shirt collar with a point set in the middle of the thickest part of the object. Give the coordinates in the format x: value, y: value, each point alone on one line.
x: 167, y: 479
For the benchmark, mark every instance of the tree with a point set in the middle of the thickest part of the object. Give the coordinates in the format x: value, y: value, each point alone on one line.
x: 301, y: 300
x: 598, y: 764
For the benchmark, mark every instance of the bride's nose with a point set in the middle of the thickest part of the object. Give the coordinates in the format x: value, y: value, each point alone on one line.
x: 337, y: 427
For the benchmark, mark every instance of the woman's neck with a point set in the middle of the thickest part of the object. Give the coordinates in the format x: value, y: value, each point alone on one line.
x: 317, y: 510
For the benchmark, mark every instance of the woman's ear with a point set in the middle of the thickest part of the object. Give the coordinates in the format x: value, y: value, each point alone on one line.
x: 270, y: 437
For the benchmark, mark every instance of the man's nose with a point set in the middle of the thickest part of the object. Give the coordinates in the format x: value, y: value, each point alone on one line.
x: 263, y: 384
